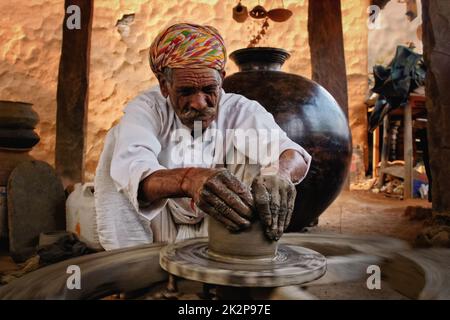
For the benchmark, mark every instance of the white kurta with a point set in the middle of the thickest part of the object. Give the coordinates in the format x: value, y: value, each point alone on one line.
x: 147, y: 139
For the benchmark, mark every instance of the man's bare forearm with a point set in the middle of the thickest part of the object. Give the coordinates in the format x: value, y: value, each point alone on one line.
x: 162, y: 184
x: 215, y: 191
x: 172, y: 183
x: 182, y: 182
x: 292, y: 165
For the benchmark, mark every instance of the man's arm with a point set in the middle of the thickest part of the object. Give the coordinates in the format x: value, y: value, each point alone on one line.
x: 292, y: 165
x: 216, y: 191
x: 162, y: 184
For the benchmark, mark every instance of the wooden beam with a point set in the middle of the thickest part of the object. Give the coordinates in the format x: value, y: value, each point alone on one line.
x: 326, y: 42
x: 72, y: 92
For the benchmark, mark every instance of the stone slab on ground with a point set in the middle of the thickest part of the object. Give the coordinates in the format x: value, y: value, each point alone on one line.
x: 36, y: 203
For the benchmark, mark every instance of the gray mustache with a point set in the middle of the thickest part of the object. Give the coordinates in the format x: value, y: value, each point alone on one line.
x: 192, y: 114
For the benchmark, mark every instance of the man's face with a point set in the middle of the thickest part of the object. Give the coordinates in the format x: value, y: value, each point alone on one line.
x: 194, y: 94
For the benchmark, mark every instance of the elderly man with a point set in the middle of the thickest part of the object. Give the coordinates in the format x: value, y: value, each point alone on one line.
x: 151, y: 187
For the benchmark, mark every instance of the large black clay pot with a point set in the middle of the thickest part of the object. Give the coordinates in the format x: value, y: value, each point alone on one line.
x: 17, y: 122
x: 308, y: 114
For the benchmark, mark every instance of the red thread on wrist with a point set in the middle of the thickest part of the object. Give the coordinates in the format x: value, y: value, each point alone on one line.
x: 184, y: 176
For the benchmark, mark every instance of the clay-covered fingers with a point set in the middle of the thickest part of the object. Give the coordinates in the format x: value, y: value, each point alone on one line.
x: 261, y: 199
x: 237, y: 187
x: 274, y: 198
x: 267, y: 199
x: 287, y: 194
x: 287, y: 200
x: 232, y: 192
x: 275, y: 206
x: 212, y: 211
x: 283, y: 213
x: 224, y: 209
x: 226, y: 199
x: 291, y: 195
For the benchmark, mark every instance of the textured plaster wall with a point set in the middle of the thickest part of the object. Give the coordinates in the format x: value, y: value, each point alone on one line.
x: 30, y: 40
x: 355, y: 31
x: 30, y: 44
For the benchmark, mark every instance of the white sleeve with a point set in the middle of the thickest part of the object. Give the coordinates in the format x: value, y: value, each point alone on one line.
x: 270, y: 136
x: 135, y: 153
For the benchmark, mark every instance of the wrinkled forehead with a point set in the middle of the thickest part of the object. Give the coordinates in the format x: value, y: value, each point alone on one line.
x: 192, y: 77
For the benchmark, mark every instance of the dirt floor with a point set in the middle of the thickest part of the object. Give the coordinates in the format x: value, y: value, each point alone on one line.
x: 364, y: 212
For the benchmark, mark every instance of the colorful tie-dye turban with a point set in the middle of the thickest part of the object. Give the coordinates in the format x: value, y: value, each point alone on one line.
x: 188, y: 46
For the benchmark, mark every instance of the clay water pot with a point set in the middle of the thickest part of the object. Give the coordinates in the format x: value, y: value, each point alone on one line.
x: 308, y: 114
x: 240, y: 13
x: 258, y: 12
x: 279, y: 14
x: 18, y: 138
x: 17, y: 121
x: 17, y: 115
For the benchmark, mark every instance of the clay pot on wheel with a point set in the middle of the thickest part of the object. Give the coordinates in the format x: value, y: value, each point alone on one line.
x: 308, y: 114
x: 250, y: 243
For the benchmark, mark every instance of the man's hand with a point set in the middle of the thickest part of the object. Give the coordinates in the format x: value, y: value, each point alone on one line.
x: 221, y: 195
x: 274, y: 198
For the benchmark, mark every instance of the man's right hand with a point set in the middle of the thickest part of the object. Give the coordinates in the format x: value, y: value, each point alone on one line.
x: 221, y: 195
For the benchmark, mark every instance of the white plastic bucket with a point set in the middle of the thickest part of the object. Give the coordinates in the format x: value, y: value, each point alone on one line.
x: 81, y: 218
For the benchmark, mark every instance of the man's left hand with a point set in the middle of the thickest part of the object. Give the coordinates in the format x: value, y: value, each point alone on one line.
x: 274, y: 197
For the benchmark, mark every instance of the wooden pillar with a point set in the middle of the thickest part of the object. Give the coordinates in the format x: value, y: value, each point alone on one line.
x: 436, y: 47
x: 375, y: 152
x: 408, y: 153
x: 384, y: 151
x: 72, y: 91
x: 326, y: 42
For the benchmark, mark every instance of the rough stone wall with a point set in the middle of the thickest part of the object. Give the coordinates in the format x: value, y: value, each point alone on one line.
x: 30, y: 40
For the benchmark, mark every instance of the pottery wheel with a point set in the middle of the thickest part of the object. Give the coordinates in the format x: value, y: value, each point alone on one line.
x: 292, y: 264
